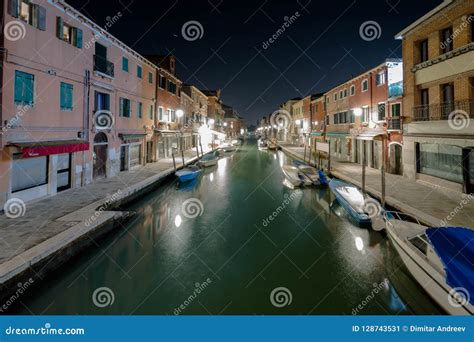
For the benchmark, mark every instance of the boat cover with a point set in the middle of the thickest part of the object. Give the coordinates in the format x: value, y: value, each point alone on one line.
x: 455, y: 247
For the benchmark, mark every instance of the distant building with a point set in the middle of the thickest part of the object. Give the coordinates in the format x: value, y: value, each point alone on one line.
x: 234, y: 125
x: 438, y: 52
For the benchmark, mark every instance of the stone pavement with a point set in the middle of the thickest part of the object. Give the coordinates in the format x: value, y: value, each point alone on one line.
x: 428, y: 203
x: 51, y: 216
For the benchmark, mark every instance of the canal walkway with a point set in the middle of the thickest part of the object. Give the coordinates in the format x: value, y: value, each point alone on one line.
x: 53, y: 223
x: 431, y: 205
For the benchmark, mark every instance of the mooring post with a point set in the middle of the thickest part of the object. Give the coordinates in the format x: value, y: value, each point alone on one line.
x: 174, y: 161
x: 182, y: 156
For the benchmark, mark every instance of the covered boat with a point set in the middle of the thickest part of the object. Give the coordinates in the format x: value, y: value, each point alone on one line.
x: 188, y: 173
x: 208, y: 160
x: 294, y: 176
x: 318, y: 177
x: 228, y: 147
x: 439, y: 258
x: 354, y: 201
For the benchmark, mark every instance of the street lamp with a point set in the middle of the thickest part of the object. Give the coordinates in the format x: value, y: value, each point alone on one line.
x: 298, y: 122
x: 179, y: 113
x: 357, y: 111
x: 225, y: 124
x: 211, y: 121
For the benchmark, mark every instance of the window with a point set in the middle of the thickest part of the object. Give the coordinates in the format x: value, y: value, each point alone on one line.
x: 125, y: 108
x: 353, y: 90
x: 365, y: 114
x: 68, y: 33
x: 150, y: 78
x: 102, y: 101
x: 381, y: 111
x: 341, y: 94
x: 352, y: 118
x: 139, y: 110
x: 24, y: 88
x: 125, y: 64
x: 380, y: 79
x: 160, y: 113
x: 167, y: 116
x: 442, y: 161
x: 33, y: 14
x: 336, y: 119
x: 139, y: 71
x: 365, y: 85
x: 162, y: 84
x: 471, y: 20
x: 172, y: 87
x: 335, y: 96
x: 173, y: 116
x: 423, y: 46
x: 396, y: 110
x: 29, y: 172
x: 447, y: 40
x: 150, y: 112
x: 345, y: 92
x: 66, y: 96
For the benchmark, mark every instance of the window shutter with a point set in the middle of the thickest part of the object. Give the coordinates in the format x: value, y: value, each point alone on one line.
x: 41, y: 18
x: 29, y: 89
x: 107, y: 101
x: 13, y: 8
x: 69, y: 95
x: 19, y: 82
x: 59, y: 28
x: 79, y: 38
x: 62, y: 96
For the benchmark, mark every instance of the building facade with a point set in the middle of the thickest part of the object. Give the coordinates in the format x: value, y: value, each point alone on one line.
x: 438, y: 51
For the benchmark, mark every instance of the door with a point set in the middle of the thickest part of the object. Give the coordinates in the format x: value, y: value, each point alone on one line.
x: 396, y: 159
x: 124, y: 158
x: 63, y: 173
x: 100, y: 155
x: 448, y: 100
x: 149, y: 152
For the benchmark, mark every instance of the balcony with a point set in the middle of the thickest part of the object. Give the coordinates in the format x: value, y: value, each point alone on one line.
x: 442, y: 111
x: 394, y: 124
x: 103, y: 66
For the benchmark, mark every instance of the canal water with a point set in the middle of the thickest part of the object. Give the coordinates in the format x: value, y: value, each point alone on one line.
x: 236, y: 242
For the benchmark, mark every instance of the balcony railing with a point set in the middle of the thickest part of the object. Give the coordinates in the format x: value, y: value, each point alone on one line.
x: 394, y: 123
x: 103, y: 66
x: 442, y: 111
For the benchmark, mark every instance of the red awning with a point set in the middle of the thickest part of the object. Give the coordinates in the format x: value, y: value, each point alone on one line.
x: 45, y: 148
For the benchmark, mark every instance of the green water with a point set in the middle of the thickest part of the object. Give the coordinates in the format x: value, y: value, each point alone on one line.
x: 231, y: 258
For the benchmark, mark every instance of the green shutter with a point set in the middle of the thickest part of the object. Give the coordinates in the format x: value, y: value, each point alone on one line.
x: 79, y: 35
x: 62, y: 96
x: 19, y: 82
x: 66, y: 96
x: 24, y: 88
x: 41, y: 18
x: 59, y: 28
x: 13, y: 8
x: 139, y: 71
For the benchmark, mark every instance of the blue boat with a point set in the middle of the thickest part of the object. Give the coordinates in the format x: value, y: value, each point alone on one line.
x: 439, y: 258
x: 188, y: 173
x: 353, y: 201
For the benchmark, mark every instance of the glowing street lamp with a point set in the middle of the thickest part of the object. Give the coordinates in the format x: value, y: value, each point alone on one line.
x: 357, y: 111
x: 298, y: 122
x: 225, y: 124
x: 211, y: 121
x: 179, y: 113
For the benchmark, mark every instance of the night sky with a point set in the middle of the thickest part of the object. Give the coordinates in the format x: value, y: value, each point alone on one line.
x: 320, y: 49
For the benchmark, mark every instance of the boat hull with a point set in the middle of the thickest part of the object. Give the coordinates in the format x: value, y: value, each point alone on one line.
x: 361, y: 219
x: 426, y: 275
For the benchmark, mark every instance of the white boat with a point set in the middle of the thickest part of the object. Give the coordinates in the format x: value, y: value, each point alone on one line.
x: 236, y: 142
x: 439, y: 258
x: 208, y: 160
x: 227, y: 147
x: 310, y: 172
x: 294, y: 176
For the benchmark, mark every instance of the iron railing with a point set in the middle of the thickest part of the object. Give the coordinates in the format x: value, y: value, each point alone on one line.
x: 442, y: 111
x: 394, y: 123
x: 104, y: 66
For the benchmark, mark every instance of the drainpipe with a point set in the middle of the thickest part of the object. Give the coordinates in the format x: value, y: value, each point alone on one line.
x: 85, y: 122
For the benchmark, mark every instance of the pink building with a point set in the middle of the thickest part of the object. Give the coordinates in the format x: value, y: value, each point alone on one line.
x: 76, y: 104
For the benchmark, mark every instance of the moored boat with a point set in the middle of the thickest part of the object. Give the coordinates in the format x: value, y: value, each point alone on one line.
x: 262, y: 144
x: 356, y: 204
x: 272, y: 145
x: 208, y: 160
x: 439, y: 258
x: 227, y: 147
x: 318, y: 177
x: 188, y: 173
x: 294, y: 176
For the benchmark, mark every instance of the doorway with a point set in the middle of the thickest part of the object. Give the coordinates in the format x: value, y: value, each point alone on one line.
x: 100, y: 155
x: 396, y: 159
x: 63, y: 173
x: 149, y: 152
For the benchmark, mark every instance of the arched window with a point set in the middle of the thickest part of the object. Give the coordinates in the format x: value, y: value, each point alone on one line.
x: 100, y: 138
